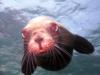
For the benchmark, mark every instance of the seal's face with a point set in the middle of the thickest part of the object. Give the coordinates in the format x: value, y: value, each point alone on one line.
x: 41, y: 38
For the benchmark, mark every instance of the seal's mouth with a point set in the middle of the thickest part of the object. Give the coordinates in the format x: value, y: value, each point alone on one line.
x: 40, y: 45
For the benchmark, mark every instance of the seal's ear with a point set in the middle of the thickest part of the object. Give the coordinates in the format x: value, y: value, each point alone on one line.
x: 82, y: 45
x: 53, y: 27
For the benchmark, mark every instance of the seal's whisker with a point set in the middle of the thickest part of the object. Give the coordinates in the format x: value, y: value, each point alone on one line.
x: 49, y: 51
x: 60, y: 54
x: 61, y: 43
x: 56, y: 36
x: 65, y: 51
x: 57, y: 57
x: 27, y: 64
x: 54, y: 57
x: 24, y: 58
x: 34, y: 60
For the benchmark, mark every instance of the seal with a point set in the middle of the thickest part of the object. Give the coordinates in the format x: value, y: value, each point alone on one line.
x: 50, y: 45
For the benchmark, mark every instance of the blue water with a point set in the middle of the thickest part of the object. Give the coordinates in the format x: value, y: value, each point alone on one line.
x: 78, y: 16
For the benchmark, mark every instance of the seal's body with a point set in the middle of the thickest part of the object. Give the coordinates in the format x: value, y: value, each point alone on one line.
x: 49, y: 45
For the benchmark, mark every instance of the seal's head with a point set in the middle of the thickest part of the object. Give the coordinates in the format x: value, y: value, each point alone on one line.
x: 41, y: 34
x: 49, y: 45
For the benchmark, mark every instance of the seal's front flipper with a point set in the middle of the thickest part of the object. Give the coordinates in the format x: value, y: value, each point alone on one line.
x: 82, y: 45
x: 28, y: 65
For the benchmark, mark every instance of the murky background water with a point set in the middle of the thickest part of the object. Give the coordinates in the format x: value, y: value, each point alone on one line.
x: 79, y: 16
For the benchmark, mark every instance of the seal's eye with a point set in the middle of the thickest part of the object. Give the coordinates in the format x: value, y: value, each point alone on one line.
x: 34, y: 33
x: 53, y: 27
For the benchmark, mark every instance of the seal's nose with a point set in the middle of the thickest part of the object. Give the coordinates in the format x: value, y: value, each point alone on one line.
x: 38, y: 40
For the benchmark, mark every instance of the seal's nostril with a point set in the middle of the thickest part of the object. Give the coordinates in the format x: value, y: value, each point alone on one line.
x: 39, y: 39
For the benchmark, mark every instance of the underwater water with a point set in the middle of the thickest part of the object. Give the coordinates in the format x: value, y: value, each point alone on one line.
x: 78, y: 16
